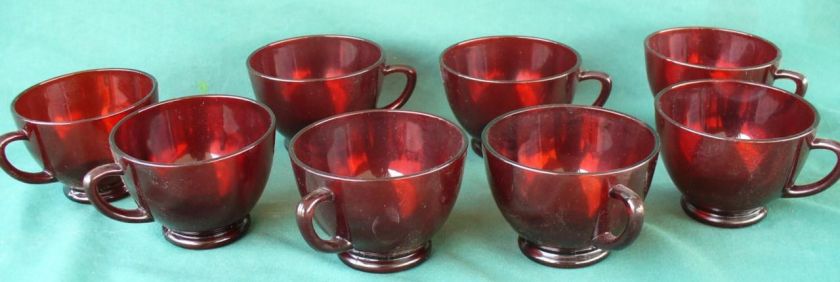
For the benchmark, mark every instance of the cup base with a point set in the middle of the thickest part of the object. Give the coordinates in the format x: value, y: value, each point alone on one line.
x: 475, y: 144
x: 378, y: 263
x: 726, y: 219
x: 110, y: 193
x: 562, y: 258
x: 208, y: 239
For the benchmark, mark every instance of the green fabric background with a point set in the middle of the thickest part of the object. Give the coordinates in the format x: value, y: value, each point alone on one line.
x: 201, y: 46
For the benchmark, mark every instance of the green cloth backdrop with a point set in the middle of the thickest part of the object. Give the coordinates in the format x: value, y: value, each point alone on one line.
x: 195, y: 47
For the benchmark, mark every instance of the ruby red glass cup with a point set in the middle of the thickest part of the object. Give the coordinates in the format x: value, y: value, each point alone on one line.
x: 196, y: 164
x: 690, y: 53
x: 569, y: 178
x: 731, y: 147
x: 380, y: 182
x: 66, y: 121
x: 489, y: 76
x: 305, y: 79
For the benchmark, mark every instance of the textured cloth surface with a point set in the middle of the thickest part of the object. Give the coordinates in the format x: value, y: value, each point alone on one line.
x: 195, y: 47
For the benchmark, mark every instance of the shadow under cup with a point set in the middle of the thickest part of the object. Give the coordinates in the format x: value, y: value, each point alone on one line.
x: 489, y: 76
x: 197, y: 165
x: 731, y: 147
x: 567, y: 178
x: 380, y: 182
x: 66, y: 122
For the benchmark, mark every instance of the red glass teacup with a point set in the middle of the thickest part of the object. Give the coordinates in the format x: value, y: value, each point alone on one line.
x: 196, y: 164
x: 568, y: 178
x: 381, y: 182
x: 308, y: 78
x: 690, y: 53
x: 66, y: 121
x: 731, y: 147
x: 489, y: 76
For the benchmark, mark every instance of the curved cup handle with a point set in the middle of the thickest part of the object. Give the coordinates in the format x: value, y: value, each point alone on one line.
x: 796, y: 191
x: 410, y: 81
x: 91, y: 182
x: 636, y: 213
x: 798, y: 78
x: 305, y: 215
x: 23, y: 176
x: 606, y: 85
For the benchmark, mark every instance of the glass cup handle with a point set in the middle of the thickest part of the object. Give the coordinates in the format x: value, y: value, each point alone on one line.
x: 410, y: 81
x: 91, y: 182
x: 23, y: 176
x: 305, y: 216
x: 798, y: 78
x: 635, y: 211
x: 606, y: 85
x: 796, y: 191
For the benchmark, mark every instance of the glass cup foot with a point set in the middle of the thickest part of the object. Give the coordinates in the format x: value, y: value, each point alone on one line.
x: 475, y: 144
x: 562, y: 258
x: 726, y: 219
x: 209, y: 239
x: 379, y: 263
x: 109, y: 191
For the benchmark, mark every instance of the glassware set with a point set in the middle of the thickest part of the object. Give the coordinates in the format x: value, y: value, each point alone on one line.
x: 571, y: 180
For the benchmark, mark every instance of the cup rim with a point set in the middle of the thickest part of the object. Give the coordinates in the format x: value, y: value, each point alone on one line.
x: 123, y: 155
x: 651, y: 50
x: 137, y: 104
x: 576, y: 66
x: 455, y: 157
x: 812, y: 128
x: 274, y: 44
x: 653, y: 153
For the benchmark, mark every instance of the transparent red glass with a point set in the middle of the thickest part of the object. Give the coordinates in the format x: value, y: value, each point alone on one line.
x: 66, y: 121
x: 690, y: 53
x: 380, y: 182
x: 489, y: 76
x: 196, y: 164
x: 569, y: 178
x: 733, y: 146
x: 305, y: 79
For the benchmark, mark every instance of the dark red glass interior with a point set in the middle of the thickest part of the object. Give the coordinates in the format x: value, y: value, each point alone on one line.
x: 192, y: 129
x: 571, y: 139
x: 378, y: 144
x: 509, y: 58
x: 737, y: 110
x: 713, y: 47
x: 315, y: 57
x: 83, y: 95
